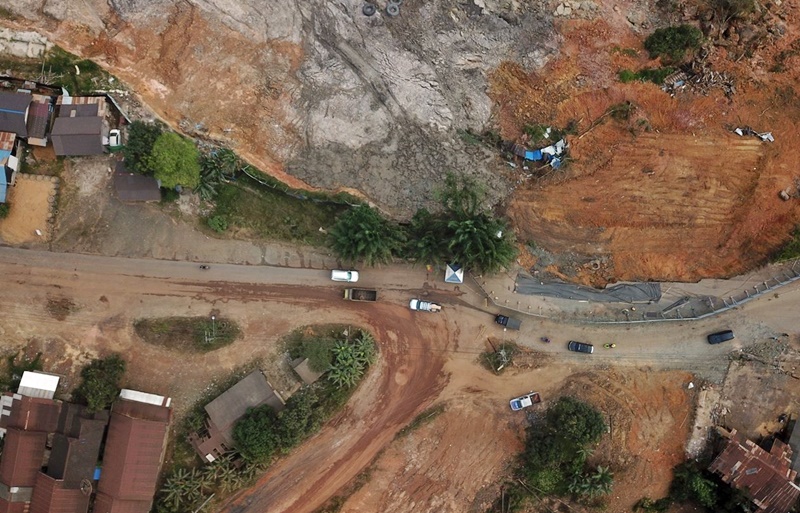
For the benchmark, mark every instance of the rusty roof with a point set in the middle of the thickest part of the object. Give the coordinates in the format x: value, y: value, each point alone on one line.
x: 50, y: 496
x: 22, y: 458
x: 104, y: 503
x: 7, y: 140
x: 766, y: 475
x: 33, y: 414
x: 12, y: 507
x: 134, y: 448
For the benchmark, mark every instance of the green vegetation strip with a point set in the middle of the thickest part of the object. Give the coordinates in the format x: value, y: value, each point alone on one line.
x: 188, y: 334
x: 423, y: 418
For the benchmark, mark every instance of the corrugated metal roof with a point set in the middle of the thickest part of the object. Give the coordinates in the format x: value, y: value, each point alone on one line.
x: 79, y: 111
x: 106, y: 504
x: 143, y: 397
x: 38, y: 119
x: 767, y: 476
x: 76, y: 447
x: 12, y: 112
x: 38, y: 384
x: 23, y: 454
x: 12, y: 507
x: 134, y: 447
x: 133, y: 187
x: 33, y: 414
x: 7, y: 140
x: 78, y: 136
x: 50, y: 496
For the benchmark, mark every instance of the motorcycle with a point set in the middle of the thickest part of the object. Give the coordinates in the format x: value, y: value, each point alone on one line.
x: 609, y: 346
x: 545, y: 340
x: 204, y: 267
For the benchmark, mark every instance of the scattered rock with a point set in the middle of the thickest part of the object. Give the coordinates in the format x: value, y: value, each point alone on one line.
x: 784, y: 195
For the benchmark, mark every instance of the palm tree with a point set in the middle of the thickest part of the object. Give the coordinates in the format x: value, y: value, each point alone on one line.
x: 362, y: 234
x: 172, y: 494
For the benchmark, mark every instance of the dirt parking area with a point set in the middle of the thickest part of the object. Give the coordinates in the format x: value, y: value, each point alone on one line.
x: 457, y: 462
x: 32, y: 201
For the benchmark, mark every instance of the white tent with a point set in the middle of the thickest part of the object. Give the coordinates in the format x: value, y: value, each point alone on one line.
x: 454, y: 274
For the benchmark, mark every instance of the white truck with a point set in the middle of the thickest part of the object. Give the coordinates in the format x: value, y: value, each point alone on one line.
x: 424, y: 306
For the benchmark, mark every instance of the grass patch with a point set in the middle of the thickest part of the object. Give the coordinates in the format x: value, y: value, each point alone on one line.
x: 59, y: 70
x: 791, y: 249
x: 654, y: 75
x: 15, y: 365
x: 267, y: 213
x: 420, y: 420
x: 6, y: 14
x: 188, y: 334
x: 498, y: 361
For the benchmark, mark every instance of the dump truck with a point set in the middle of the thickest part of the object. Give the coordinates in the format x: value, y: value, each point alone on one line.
x: 508, y: 322
x: 361, y: 294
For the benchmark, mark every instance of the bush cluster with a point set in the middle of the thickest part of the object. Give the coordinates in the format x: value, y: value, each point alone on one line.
x: 672, y: 43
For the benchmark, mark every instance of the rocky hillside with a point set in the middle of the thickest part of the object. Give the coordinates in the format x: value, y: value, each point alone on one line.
x: 316, y: 92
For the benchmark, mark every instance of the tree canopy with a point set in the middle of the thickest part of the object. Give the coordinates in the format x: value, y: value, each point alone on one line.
x: 362, y: 233
x: 141, y: 139
x: 176, y: 161
x: 255, y: 434
x: 100, y: 382
x: 673, y: 42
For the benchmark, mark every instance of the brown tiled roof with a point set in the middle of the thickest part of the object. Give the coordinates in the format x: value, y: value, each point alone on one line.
x: 106, y: 504
x: 34, y: 414
x: 252, y: 391
x: 766, y: 475
x: 50, y: 496
x: 134, y: 448
x: 22, y: 457
x: 78, y: 136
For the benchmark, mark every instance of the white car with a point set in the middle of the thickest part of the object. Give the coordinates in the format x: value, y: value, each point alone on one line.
x: 114, y: 138
x: 518, y: 403
x: 424, y: 306
x: 348, y: 276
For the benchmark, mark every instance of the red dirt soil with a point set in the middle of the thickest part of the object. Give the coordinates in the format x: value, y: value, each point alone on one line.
x: 669, y: 193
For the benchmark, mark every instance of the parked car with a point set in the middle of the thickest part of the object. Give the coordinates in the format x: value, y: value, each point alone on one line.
x: 720, y: 337
x: 580, y: 347
x: 114, y: 138
x: 348, y: 276
x: 424, y: 306
x: 525, y: 401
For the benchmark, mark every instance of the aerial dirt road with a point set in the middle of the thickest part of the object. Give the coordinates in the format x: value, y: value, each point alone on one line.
x: 107, y: 294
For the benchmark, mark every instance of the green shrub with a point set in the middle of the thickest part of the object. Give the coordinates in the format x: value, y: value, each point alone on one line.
x: 100, y: 382
x: 672, y: 42
x: 626, y: 76
x: 141, y: 138
x: 169, y: 195
x: 791, y: 249
x: 5, y: 208
x: 218, y: 223
x: 654, y: 75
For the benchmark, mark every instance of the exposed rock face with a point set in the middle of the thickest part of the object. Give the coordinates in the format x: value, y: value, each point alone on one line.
x: 315, y: 88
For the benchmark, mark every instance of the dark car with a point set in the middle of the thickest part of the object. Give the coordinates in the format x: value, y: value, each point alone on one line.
x: 720, y: 337
x: 580, y: 347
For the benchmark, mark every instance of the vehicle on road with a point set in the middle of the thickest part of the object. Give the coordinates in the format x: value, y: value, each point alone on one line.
x: 580, y: 347
x: 524, y: 401
x: 115, y: 138
x: 509, y: 322
x: 361, y: 294
x: 204, y: 267
x: 424, y: 306
x: 720, y: 337
x: 546, y: 340
x: 348, y: 276
x: 609, y: 346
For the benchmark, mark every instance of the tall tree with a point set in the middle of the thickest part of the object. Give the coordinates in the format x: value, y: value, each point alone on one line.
x: 100, y: 382
x: 141, y: 138
x: 176, y: 161
x: 255, y: 435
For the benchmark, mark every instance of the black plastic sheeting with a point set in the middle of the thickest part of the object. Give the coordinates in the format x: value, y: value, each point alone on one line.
x: 622, y: 293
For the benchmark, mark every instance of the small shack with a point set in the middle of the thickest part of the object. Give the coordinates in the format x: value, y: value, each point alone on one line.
x: 223, y: 412
x: 134, y: 187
